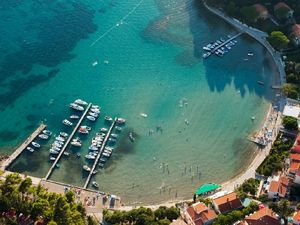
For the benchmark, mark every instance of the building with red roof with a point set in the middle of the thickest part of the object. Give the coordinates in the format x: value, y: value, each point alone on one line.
x: 296, y: 148
x: 261, y: 10
x: 264, y: 216
x: 227, y: 203
x: 278, y: 188
x: 296, y: 218
x: 199, y: 214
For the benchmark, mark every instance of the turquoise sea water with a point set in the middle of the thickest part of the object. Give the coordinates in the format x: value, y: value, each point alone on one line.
x: 154, y: 52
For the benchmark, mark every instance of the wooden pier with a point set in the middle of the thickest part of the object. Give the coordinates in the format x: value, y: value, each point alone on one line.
x: 22, y: 147
x: 99, y: 154
x: 67, y: 142
x: 226, y: 42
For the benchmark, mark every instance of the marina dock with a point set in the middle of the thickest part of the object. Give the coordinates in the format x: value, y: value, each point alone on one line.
x: 99, y: 154
x: 226, y: 42
x: 22, y: 147
x: 67, y: 142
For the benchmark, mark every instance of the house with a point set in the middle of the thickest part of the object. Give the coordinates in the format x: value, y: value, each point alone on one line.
x: 227, y: 203
x: 283, y: 11
x: 294, y: 164
x: 278, y: 187
x: 296, y: 218
x: 264, y: 216
x: 296, y: 148
x: 296, y: 34
x: 199, y: 214
x: 262, y: 11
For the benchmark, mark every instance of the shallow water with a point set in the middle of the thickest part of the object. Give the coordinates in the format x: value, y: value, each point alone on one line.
x: 154, y: 54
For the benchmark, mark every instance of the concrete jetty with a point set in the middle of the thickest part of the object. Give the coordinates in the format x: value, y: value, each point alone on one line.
x: 22, y: 147
x: 67, y: 142
x: 226, y: 42
x: 99, y: 154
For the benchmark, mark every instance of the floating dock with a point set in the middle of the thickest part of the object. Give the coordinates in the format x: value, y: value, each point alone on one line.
x: 22, y: 147
x: 67, y: 142
x: 99, y: 154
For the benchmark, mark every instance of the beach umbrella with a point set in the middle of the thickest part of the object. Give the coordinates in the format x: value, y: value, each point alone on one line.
x: 207, y: 187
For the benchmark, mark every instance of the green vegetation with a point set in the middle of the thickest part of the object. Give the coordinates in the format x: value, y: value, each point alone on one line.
x: 19, y: 196
x: 142, y: 216
x: 282, y: 13
x: 275, y: 160
x: 278, y: 40
x: 282, y: 208
x: 235, y: 215
x: 290, y: 123
x: 248, y: 188
x: 249, y: 13
x: 291, y: 91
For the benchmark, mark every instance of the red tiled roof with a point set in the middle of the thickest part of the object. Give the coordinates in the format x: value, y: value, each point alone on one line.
x: 295, y: 157
x: 274, y: 185
x: 281, y: 5
x: 294, y: 166
x: 263, y: 216
x: 199, y: 213
x: 296, y: 32
x: 228, y: 202
x: 297, y: 216
x: 298, y: 172
x: 296, y: 148
x: 260, y: 8
x: 298, y: 138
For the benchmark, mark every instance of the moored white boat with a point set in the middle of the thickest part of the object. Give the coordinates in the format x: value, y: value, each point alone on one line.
x: 95, y: 110
x: 103, y: 129
x: 76, y: 143
x: 67, y: 122
x: 47, y: 132
x: 93, y: 148
x: 74, y: 117
x: 43, y: 136
x: 86, y: 127
x: 106, y: 154
x: 114, y: 135
x: 131, y: 138
x: 59, y: 138
x: 63, y: 134
x: 90, y: 157
x: 35, y: 144
x: 80, y: 102
x: 83, y: 130
x: 86, y: 168
x: 30, y: 149
x: 91, y: 118
x: 76, y: 107
x: 93, y: 114
x: 121, y: 120
x: 52, y: 151
x: 52, y: 158
x: 108, y: 119
x: 66, y: 153
x: 95, y: 184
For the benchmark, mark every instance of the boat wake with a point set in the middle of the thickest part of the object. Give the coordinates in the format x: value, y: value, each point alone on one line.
x: 117, y: 24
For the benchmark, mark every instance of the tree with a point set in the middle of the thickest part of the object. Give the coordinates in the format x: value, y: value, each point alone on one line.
x: 282, y: 13
x: 249, y: 13
x: 290, y: 123
x: 283, y: 209
x: 290, y: 90
x: 278, y: 40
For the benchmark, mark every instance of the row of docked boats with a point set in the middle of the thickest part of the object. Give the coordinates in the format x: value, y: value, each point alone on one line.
x: 45, y: 134
x: 219, y: 47
x: 57, y: 145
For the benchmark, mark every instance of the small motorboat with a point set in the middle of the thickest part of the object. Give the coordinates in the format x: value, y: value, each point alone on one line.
x: 66, y: 153
x: 86, y: 168
x: 95, y: 171
x: 93, y: 148
x: 143, y: 115
x: 63, y: 134
x: 101, y: 165
x: 30, y: 149
x: 76, y: 107
x: 52, y: 158
x: 57, y: 165
x: 95, y: 184
x: 95, y: 63
x: 78, y: 155
x: 109, y: 148
x: 76, y: 143
x: 58, y: 142
x: 250, y: 54
x: 90, y: 157
x: 67, y: 122
x: 95, y: 110
x: 74, y: 117
x: 86, y: 127
x: 112, y: 140
x: 108, y: 119
x: 83, y: 131
x: 119, y: 129
x: 106, y: 154
x: 102, y: 160
x: 57, y: 145
x: 43, y: 136
x: 93, y: 114
x: 91, y: 118
x: 95, y: 107
x: 103, y: 129
x: 55, y: 148
x: 131, y: 138
x: 59, y: 138
x: 35, y: 144
x: 52, y: 151
x: 121, y: 121
x: 260, y: 82
x: 47, y: 132
x: 80, y: 102
x: 114, y: 135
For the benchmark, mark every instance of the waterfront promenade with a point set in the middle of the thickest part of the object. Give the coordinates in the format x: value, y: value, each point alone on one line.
x: 22, y: 147
x: 258, y: 35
